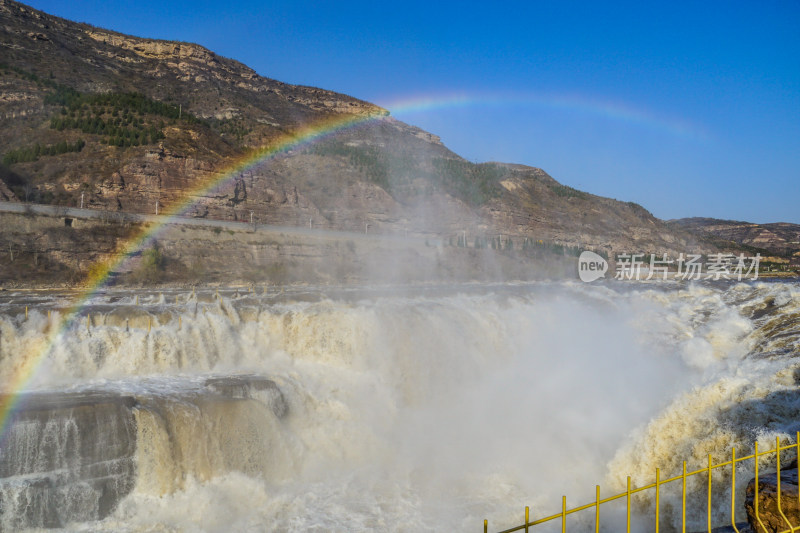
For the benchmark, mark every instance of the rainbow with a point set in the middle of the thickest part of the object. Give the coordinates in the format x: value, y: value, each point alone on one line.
x: 313, y: 132
x: 100, y: 273
x: 584, y: 105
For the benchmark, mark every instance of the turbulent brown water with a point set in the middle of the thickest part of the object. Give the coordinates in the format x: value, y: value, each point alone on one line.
x: 383, y: 410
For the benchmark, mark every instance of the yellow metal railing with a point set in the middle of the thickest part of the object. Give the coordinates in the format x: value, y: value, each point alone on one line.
x: 659, y: 483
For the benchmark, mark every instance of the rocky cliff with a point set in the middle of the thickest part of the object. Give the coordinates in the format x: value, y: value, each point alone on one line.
x: 116, y: 122
x: 780, y: 239
x: 71, y: 457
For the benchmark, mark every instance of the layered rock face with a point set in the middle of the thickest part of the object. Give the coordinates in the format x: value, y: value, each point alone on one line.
x: 64, y: 458
x: 780, y: 238
x: 97, y: 60
x: 71, y: 457
x: 377, y: 174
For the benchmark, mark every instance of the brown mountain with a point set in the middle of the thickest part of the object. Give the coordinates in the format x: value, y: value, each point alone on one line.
x: 129, y: 123
x: 780, y: 239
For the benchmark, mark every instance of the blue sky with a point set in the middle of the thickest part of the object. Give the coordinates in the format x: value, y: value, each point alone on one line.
x: 690, y: 109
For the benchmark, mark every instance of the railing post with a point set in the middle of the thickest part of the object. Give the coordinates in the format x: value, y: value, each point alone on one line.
x: 485, y: 526
x: 597, y: 509
x: 778, y: 478
x: 683, y: 500
x: 708, y: 509
x: 26, y: 312
x: 628, y: 507
x: 733, y: 489
x: 563, y: 514
x: 755, y: 499
x: 527, y: 517
x: 658, y: 496
x: 797, y: 460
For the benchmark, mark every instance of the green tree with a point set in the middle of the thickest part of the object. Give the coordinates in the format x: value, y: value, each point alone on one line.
x: 152, y: 266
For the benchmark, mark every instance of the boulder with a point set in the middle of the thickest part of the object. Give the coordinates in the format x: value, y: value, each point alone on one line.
x: 768, y: 501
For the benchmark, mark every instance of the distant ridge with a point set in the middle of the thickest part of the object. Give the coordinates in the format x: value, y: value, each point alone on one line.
x: 780, y: 238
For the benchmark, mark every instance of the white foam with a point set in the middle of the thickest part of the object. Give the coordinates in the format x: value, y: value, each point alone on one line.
x: 429, y: 413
